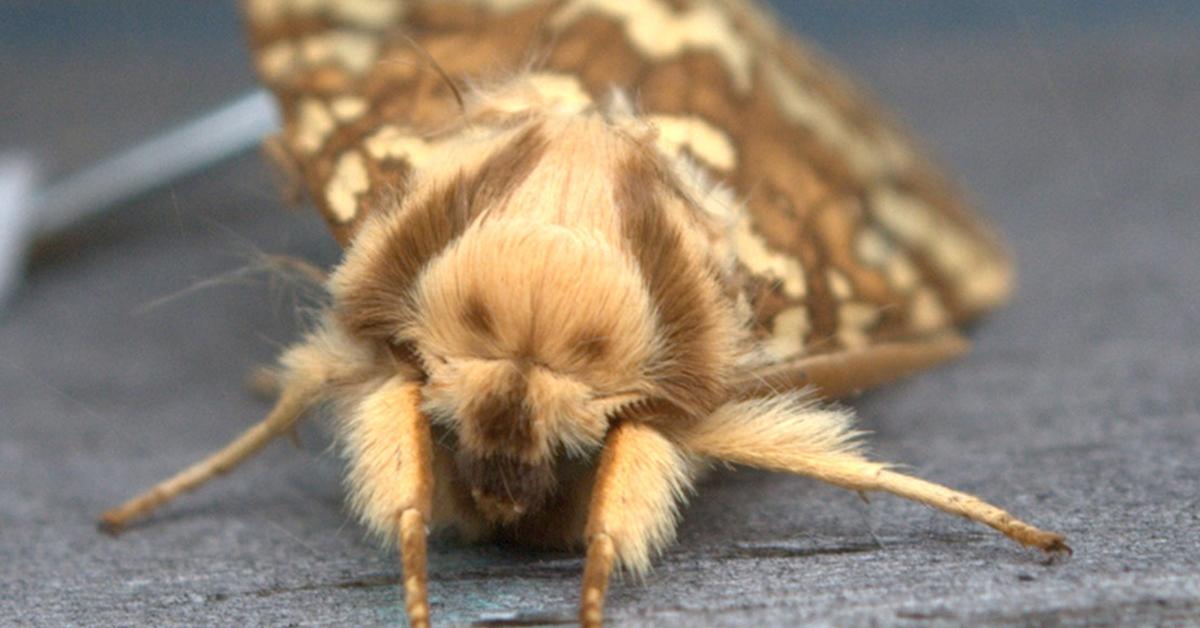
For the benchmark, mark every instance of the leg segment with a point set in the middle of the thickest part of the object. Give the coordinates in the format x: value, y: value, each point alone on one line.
x: 641, y: 479
x: 788, y: 434
x: 389, y: 449
x: 291, y: 406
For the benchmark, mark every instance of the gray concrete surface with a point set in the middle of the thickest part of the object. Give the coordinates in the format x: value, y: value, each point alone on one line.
x: 1079, y: 408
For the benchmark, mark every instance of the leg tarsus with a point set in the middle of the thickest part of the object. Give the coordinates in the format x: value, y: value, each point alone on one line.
x: 596, y: 573
x: 969, y: 506
x: 389, y: 446
x: 640, y: 479
x: 414, y: 559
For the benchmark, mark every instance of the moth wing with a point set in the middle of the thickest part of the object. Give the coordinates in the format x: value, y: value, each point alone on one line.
x: 848, y: 238
x: 362, y: 85
x: 845, y: 373
x: 858, y: 257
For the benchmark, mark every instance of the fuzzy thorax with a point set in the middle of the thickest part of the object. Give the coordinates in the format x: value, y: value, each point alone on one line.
x: 547, y: 267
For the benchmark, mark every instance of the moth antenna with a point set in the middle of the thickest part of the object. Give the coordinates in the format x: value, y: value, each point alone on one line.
x: 441, y: 72
x: 295, y: 268
x: 296, y: 271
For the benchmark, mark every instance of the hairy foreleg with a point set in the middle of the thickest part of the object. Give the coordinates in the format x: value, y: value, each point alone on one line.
x: 389, y: 449
x: 641, y: 479
x: 788, y: 434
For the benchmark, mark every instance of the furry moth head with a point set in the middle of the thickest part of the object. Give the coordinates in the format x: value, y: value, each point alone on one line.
x: 546, y: 271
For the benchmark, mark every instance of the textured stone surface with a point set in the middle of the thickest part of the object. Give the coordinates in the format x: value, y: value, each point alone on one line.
x: 1078, y: 409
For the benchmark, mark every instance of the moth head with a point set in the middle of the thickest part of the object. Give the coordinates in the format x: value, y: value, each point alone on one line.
x: 528, y: 334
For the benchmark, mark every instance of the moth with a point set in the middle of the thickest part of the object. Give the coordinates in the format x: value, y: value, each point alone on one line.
x: 592, y: 247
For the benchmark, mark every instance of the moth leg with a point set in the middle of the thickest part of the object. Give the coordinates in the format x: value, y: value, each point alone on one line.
x: 792, y: 435
x: 389, y: 449
x: 641, y: 478
x: 293, y: 401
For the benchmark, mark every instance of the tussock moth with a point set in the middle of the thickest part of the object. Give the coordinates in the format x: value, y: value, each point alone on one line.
x: 592, y: 245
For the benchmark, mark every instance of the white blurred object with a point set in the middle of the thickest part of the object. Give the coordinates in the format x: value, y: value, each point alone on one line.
x: 17, y: 179
x: 27, y: 213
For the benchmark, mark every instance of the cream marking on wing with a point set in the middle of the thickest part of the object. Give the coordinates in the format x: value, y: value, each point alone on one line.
x: 391, y: 143
x: 277, y: 60
x: 708, y: 143
x: 372, y: 14
x: 867, y: 157
x: 979, y: 279
x: 348, y: 181
x: 348, y: 108
x: 562, y: 90
x: 353, y: 52
x: 562, y: 93
x: 855, y: 321
x: 788, y: 332
x: 901, y: 274
x: 660, y: 33
x: 926, y: 312
x: 314, y: 124
x: 839, y: 284
x: 987, y: 286
x: 873, y: 248
x: 752, y: 250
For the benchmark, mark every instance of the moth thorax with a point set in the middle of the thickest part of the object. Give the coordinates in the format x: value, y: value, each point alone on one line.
x: 526, y: 328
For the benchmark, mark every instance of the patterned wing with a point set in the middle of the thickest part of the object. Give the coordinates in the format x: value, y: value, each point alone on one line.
x: 360, y: 89
x: 849, y: 239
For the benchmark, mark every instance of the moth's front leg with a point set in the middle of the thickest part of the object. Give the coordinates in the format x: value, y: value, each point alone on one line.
x: 640, y: 481
x: 390, y: 453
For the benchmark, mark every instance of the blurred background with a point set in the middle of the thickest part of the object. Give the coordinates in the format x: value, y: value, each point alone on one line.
x: 1075, y: 124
